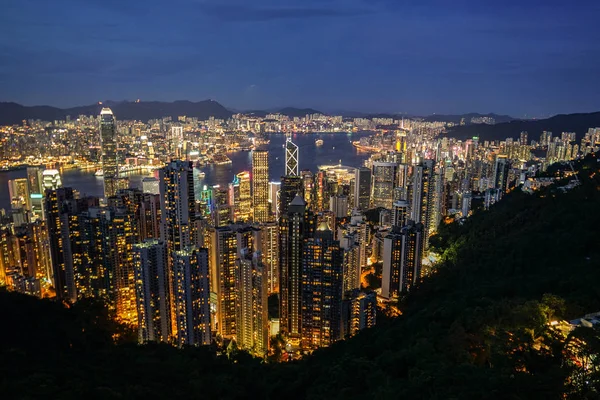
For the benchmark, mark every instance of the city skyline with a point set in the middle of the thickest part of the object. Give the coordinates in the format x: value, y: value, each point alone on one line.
x: 520, y: 58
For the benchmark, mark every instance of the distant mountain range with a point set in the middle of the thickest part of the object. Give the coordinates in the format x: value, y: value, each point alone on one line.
x: 289, y: 111
x: 13, y: 113
x: 578, y: 123
x: 506, y: 126
x: 467, y: 117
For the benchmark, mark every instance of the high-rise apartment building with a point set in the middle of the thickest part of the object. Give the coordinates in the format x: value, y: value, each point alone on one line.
x: 224, y: 253
x: 321, y: 290
x: 402, y: 259
x: 501, y: 169
x: 191, y: 297
x: 359, y: 312
x: 400, y: 213
x: 188, y: 267
x: 423, y: 189
x: 269, y: 248
x: 59, y: 222
x: 252, y: 328
x: 152, y: 291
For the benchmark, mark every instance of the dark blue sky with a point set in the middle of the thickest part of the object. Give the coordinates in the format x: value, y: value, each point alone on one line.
x: 534, y: 57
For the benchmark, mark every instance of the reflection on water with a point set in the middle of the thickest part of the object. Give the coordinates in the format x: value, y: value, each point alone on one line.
x: 336, y: 147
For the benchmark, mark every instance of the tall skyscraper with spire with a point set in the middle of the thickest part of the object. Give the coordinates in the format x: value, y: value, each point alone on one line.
x: 291, y: 158
x: 260, y: 185
x: 108, y: 140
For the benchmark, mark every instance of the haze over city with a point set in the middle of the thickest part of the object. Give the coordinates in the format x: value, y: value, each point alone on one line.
x: 524, y: 58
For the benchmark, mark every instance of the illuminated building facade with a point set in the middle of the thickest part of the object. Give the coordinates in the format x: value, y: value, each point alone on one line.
x: 295, y: 226
x: 362, y: 188
x: 308, y: 181
x: 242, y: 197
x: 191, y: 297
x: 51, y: 179
x: 291, y: 158
x: 152, y: 291
x: 321, y: 290
x: 359, y: 312
x: 108, y: 140
x: 185, y: 263
x: 260, y: 185
x: 252, y: 309
x: 224, y: 253
x: 385, y: 179
x: 291, y: 186
x: 402, y: 259
x: 269, y: 247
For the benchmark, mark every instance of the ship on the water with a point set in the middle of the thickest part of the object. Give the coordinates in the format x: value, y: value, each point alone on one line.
x: 319, y: 142
x: 99, y: 172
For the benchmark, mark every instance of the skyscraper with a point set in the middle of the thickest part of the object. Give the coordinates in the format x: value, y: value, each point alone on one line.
x: 260, y: 185
x: 188, y: 280
x: 224, y: 253
x: 402, y: 258
x: 291, y: 158
x: 351, y: 264
x: 385, y: 179
x: 242, y: 197
x: 57, y: 212
x: 296, y: 225
x: 291, y: 186
x: 176, y: 141
x: 269, y: 248
x: 252, y: 318
x: 362, y: 188
x: 339, y: 206
x: 18, y: 190
x: 308, y: 180
x: 501, y: 168
x: 152, y: 291
x: 400, y: 213
x: 359, y: 312
x: 121, y: 235
x: 177, y: 205
x: 191, y: 296
x: 321, y: 290
x: 274, y: 188
x: 108, y: 140
x: 423, y: 190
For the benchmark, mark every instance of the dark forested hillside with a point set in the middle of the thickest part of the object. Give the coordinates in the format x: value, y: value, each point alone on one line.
x: 476, y: 329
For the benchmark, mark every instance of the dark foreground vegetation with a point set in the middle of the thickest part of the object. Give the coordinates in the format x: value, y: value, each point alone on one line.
x: 477, y: 329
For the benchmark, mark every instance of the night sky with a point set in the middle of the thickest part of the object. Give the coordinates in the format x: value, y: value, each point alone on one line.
x: 524, y: 58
